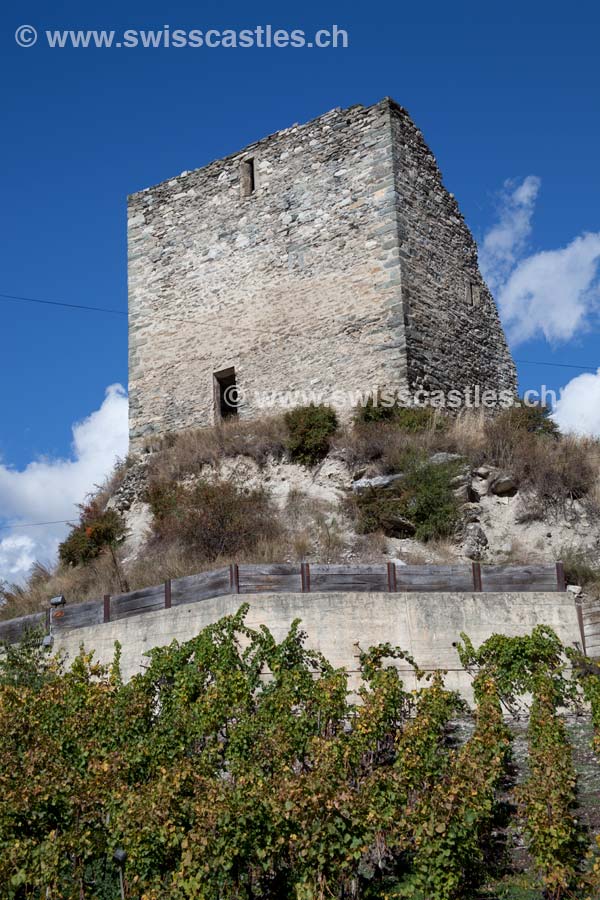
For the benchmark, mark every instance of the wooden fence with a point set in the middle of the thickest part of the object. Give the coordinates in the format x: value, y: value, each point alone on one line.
x: 300, y: 578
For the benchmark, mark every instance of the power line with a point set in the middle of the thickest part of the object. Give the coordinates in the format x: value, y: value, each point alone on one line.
x: 34, y: 524
x: 13, y: 298
x: 118, y: 312
x: 530, y: 362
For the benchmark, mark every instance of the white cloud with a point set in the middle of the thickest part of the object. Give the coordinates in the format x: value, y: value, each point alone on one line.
x: 17, y: 555
x: 50, y: 489
x: 504, y: 244
x: 578, y: 407
x: 555, y: 293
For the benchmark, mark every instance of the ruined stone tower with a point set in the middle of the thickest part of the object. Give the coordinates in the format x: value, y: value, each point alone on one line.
x: 327, y: 257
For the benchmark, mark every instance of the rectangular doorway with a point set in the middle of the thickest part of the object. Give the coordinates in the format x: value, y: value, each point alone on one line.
x: 226, y: 394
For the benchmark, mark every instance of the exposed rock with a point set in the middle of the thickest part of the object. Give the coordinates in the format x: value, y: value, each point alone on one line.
x: 378, y: 481
x: 138, y: 520
x: 396, y: 526
x: 471, y: 512
x: 440, y: 459
x: 463, y: 493
x: 132, y: 487
x: 504, y: 485
x: 478, y: 492
x: 480, y: 485
x: 475, y: 541
x: 482, y: 472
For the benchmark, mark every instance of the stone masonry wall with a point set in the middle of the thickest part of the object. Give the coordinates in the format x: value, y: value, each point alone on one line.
x: 349, y: 268
x: 294, y: 286
x: 451, y: 325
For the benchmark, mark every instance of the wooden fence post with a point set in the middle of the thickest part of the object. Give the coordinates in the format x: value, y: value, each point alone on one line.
x: 477, y: 586
x: 391, y: 576
x: 305, y: 576
x: 560, y: 576
x: 168, y: 593
x: 234, y: 578
x: 107, y: 607
x: 580, y: 622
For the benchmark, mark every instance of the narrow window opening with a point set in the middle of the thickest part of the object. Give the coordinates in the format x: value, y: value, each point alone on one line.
x: 226, y: 394
x: 472, y: 294
x: 247, y: 177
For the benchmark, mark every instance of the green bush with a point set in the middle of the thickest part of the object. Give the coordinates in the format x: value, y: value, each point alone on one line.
x: 534, y: 419
x: 96, y: 530
x: 418, y: 418
x: 579, y: 568
x: 212, y: 518
x: 375, y: 411
x: 310, y: 429
x: 421, y: 504
x: 407, y: 418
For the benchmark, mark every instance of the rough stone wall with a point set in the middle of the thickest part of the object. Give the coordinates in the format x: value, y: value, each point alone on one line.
x: 348, y: 268
x: 451, y: 325
x: 294, y: 286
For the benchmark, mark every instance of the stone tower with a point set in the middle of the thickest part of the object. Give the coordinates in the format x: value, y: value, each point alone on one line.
x: 325, y: 258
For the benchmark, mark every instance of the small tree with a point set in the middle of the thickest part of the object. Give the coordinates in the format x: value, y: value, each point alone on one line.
x: 310, y: 429
x: 96, y: 530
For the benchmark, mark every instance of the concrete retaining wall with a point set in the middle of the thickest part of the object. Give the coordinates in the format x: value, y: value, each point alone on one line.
x: 424, y: 624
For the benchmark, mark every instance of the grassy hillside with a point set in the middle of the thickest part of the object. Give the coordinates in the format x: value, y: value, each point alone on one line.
x: 300, y: 486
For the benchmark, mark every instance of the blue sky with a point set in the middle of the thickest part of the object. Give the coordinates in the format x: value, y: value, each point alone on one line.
x: 500, y: 93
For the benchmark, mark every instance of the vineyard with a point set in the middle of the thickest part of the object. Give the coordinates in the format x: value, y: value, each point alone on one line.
x: 239, y: 767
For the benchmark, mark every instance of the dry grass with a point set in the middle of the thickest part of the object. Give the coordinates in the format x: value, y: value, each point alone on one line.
x: 77, y: 584
x: 384, y: 447
x: 581, y: 567
x: 556, y: 472
x: 113, y: 482
x: 181, y: 455
x: 519, y: 554
x: 558, y: 476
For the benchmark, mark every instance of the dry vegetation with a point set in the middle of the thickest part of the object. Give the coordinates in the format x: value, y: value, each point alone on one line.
x: 201, y: 524
x: 184, y: 454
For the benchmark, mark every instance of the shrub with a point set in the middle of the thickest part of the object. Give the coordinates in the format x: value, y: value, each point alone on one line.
x: 96, y: 530
x: 579, y: 568
x: 407, y: 418
x: 310, y: 429
x: 419, y: 418
x: 422, y: 503
x: 213, y: 519
x: 507, y: 432
x: 554, y: 470
x: 373, y: 411
x: 547, y: 800
x: 558, y: 471
x: 534, y: 419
